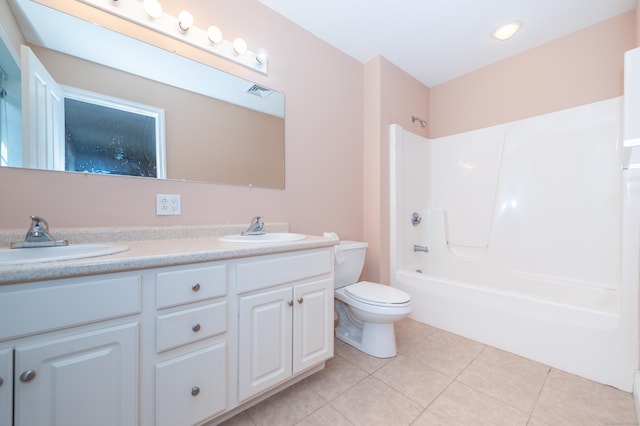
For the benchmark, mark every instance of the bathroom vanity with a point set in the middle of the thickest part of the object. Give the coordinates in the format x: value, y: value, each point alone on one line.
x: 170, y: 332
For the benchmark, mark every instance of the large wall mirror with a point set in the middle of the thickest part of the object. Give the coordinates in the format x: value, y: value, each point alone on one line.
x: 215, y: 127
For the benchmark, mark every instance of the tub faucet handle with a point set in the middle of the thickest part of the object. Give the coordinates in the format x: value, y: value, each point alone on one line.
x: 416, y: 219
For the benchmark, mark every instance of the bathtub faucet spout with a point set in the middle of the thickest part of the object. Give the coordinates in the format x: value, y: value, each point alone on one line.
x: 417, y: 248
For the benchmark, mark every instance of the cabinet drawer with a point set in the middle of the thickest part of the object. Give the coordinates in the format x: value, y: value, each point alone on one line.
x: 282, y: 269
x: 190, y: 285
x: 28, y: 309
x: 192, y: 388
x: 190, y: 325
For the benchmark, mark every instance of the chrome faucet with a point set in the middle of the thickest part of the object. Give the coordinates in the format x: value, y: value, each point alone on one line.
x: 38, y: 236
x: 417, y: 248
x: 255, y: 227
x: 39, y: 230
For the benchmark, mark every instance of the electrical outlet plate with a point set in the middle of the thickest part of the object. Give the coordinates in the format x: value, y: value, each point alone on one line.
x: 167, y: 205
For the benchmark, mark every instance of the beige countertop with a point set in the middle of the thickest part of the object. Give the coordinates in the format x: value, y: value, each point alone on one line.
x: 150, y: 248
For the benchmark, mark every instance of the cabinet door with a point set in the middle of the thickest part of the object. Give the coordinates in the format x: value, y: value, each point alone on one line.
x: 312, y: 324
x: 84, y: 379
x: 265, y: 341
x: 6, y: 387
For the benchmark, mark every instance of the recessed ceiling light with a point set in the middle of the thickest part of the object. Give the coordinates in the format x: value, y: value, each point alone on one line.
x: 506, y: 31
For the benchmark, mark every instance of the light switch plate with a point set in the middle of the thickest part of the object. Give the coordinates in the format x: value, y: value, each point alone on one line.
x: 167, y: 205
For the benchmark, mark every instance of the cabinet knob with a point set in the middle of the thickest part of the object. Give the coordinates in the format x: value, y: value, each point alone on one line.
x: 27, y: 376
x: 195, y: 327
x: 290, y: 303
x: 195, y: 287
x: 195, y: 390
x: 300, y: 299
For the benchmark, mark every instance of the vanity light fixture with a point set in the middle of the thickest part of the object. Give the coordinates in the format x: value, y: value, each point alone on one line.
x: 149, y: 14
x: 506, y: 31
x: 214, y: 34
x: 185, y: 21
x: 153, y: 8
x: 262, y: 56
x: 239, y: 46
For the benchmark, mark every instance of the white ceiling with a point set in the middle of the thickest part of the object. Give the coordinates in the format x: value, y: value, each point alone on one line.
x: 438, y: 40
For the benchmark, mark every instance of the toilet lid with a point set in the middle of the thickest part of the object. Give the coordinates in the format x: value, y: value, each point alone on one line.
x: 375, y: 293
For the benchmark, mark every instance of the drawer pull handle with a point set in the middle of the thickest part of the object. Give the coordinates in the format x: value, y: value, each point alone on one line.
x: 300, y: 299
x: 195, y: 391
x: 1, y: 381
x: 195, y: 287
x: 27, y: 376
x: 195, y: 327
x: 290, y: 303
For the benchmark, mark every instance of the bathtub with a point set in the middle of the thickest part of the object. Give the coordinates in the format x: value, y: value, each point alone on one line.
x: 513, y: 261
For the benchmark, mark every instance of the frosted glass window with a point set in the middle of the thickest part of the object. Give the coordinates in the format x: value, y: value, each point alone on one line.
x: 111, y: 136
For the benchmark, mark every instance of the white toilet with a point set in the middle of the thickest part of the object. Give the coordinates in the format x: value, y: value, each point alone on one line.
x: 366, y: 311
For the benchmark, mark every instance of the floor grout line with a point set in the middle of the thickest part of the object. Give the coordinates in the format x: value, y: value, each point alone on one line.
x: 362, y: 368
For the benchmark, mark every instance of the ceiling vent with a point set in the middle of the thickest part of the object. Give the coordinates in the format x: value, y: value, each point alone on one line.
x: 259, y: 91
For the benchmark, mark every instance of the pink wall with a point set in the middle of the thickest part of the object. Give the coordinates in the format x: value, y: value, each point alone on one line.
x: 338, y: 113
x: 583, y: 67
x: 391, y: 96
x: 324, y: 104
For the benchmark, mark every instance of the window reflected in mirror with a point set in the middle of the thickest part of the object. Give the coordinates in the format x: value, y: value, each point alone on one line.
x: 106, y: 135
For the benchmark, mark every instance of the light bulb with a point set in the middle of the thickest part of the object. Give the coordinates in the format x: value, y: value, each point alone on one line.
x: 185, y: 20
x: 153, y: 8
x: 239, y: 46
x: 214, y: 34
x: 262, y: 56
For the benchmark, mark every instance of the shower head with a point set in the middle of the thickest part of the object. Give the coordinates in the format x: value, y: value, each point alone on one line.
x: 422, y: 122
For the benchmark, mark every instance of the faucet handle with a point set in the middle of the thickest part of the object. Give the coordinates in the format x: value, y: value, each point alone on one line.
x: 38, y: 225
x: 255, y: 227
x: 257, y: 224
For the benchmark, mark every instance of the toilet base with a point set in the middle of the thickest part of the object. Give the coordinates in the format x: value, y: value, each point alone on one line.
x: 375, y: 339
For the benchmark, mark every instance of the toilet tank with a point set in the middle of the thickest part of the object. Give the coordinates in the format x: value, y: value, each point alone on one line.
x: 349, y: 262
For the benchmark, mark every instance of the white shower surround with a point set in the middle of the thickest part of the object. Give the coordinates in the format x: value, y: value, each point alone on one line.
x: 533, y: 229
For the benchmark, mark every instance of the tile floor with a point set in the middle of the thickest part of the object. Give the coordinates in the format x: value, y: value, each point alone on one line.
x: 439, y: 378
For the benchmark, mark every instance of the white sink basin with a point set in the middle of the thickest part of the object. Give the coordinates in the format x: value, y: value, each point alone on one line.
x: 269, y: 237
x: 53, y: 254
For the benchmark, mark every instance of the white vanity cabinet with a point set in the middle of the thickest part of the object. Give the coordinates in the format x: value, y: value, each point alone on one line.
x: 164, y: 346
x: 69, y: 352
x: 192, y: 317
x: 285, y: 318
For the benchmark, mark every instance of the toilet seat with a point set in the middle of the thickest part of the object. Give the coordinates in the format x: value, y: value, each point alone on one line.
x: 377, y: 294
